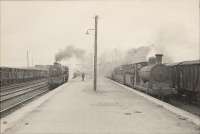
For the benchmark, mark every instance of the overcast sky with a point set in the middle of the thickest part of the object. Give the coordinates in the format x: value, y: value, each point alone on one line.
x: 45, y: 27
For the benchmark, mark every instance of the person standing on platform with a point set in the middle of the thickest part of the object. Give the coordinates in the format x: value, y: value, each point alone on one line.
x: 83, y: 76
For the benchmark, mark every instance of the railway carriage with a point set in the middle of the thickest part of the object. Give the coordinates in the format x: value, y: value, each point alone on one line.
x: 186, y: 79
x: 16, y: 75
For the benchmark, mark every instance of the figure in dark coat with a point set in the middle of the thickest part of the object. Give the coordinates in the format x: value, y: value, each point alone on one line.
x: 83, y: 76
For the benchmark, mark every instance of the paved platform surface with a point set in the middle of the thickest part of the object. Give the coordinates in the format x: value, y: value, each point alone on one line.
x: 77, y: 109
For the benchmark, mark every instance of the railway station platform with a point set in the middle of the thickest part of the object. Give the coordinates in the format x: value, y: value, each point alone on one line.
x: 76, y: 109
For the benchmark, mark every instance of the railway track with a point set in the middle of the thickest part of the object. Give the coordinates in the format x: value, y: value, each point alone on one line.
x: 10, y: 99
x: 190, y: 107
x: 19, y: 85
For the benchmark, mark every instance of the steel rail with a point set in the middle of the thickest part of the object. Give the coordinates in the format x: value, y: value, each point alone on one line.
x: 18, y: 85
x: 20, y: 89
x: 23, y: 101
x: 26, y: 91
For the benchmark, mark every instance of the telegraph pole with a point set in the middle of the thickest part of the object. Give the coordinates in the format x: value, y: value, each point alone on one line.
x: 199, y: 29
x: 95, y: 54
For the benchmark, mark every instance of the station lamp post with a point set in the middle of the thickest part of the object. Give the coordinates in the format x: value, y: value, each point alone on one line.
x: 95, y: 52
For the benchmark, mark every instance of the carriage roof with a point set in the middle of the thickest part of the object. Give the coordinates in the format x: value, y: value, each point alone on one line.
x: 23, y: 68
x: 193, y: 62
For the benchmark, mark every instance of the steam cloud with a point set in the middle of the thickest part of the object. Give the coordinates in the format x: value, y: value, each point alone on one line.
x: 176, y: 44
x: 69, y: 52
x: 135, y: 55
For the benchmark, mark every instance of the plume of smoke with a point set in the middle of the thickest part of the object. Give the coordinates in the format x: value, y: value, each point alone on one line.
x: 111, y: 59
x: 69, y: 52
x: 172, y: 42
x: 135, y: 55
x: 159, y: 49
x: 108, y: 60
x: 175, y: 44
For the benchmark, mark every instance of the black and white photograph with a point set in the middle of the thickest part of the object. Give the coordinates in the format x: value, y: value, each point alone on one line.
x: 100, y: 66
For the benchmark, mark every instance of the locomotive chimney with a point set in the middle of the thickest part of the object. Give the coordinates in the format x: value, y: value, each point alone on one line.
x: 159, y: 58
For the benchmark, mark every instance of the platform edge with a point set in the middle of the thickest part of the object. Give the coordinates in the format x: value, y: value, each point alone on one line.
x: 189, y: 117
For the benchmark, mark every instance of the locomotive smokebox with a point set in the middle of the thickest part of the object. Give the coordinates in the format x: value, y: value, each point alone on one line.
x: 159, y: 58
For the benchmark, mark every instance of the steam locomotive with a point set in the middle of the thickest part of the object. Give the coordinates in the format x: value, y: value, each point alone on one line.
x: 55, y: 74
x: 58, y: 74
x: 151, y: 77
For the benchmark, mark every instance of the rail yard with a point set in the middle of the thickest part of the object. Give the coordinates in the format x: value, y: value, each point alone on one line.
x: 152, y: 78
x: 100, y: 67
x: 112, y: 109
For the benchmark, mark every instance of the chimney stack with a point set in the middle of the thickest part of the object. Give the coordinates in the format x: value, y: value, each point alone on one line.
x: 159, y: 58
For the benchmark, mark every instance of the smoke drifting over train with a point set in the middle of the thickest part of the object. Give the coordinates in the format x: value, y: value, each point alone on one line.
x: 135, y: 55
x: 69, y: 52
x: 176, y: 44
